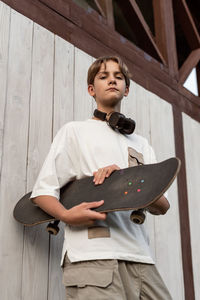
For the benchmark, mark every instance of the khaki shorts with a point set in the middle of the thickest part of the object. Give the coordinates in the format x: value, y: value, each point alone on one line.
x: 113, y: 280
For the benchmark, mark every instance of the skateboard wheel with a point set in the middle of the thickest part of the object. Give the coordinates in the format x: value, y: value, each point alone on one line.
x: 53, y: 228
x: 138, y: 216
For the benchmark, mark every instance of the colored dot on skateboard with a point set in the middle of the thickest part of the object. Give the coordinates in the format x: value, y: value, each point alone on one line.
x: 138, y: 190
x: 125, y: 193
x: 142, y: 180
x: 129, y: 183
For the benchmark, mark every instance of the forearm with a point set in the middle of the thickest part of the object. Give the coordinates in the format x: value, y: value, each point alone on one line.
x: 159, y: 207
x: 80, y: 215
x: 51, y: 205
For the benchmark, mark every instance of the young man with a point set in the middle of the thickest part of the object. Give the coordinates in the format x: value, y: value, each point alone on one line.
x: 105, y: 256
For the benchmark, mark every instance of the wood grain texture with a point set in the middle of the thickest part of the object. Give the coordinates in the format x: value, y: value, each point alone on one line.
x: 83, y: 107
x: 190, y: 63
x: 167, y: 227
x: 4, y: 43
x: 183, y: 207
x: 137, y: 107
x: 15, y: 138
x: 36, y: 240
x: 164, y: 33
x: 63, y: 113
x: 191, y: 131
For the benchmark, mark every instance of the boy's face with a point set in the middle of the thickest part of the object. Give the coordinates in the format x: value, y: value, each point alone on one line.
x: 109, y: 86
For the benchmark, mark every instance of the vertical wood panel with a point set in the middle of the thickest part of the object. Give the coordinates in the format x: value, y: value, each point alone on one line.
x: 192, y: 150
x: 63, y: 113
x: 4, y: 41
x: 136, y: 106
x: 36, y: 244
x: 183, y: 208
x: 63, y: 83
x: 83, y: 106
x: 15, y: 138
x: 167, y: 233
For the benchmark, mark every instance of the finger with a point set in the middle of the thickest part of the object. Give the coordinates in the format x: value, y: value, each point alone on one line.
x: 98, y: 175
x: 93, y: 204
x: 102, y: 176
x: 94, y: 174
x: 97, y: 216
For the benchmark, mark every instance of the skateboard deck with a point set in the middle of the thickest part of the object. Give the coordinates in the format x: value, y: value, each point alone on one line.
x: 133, y: 188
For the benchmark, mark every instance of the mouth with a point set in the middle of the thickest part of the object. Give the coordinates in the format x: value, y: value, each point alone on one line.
x: 112, y: 89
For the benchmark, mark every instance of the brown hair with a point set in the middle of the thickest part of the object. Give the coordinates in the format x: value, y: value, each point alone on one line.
x: 95, y: 67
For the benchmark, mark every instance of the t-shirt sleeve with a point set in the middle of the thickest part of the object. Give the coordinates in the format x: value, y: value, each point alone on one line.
x: 58, y: 168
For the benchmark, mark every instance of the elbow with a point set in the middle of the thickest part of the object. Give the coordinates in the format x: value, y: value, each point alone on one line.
x: 165, y: 208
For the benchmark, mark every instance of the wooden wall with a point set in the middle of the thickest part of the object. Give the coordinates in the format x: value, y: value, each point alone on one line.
x: 192, y: 151
x: 43, y: 86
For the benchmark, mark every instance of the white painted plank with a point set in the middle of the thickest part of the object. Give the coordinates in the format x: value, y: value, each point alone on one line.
x: 36, y: 243
x: 167, y: 232
x: 136, y: 106
x: 4, y: 41
x: 63, y: 113
x: 63, y: 83
x: 83, y: 106
x: 13, y: 180
x: 192, y: 151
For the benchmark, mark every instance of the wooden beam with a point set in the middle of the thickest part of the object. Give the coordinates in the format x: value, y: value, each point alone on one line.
x: 96, y: 28
x: 186, y: 22
x: 101, y: 6
x: 190, y: 63
x: 145, y: 70
x: 106, y: 9
x: 136, y: 20
x: 183, y: 207
x: 165, y: 33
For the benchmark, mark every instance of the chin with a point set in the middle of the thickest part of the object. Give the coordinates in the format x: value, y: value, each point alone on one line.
x: 111, y: 102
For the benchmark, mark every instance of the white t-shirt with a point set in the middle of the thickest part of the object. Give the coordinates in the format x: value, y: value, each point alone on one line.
x: 79, y: 149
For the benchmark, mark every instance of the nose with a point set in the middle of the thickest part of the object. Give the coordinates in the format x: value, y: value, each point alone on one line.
x: 111, y: 80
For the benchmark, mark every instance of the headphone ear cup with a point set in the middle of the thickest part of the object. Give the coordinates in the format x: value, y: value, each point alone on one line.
x: 115, y: 120
x: 128, y: 126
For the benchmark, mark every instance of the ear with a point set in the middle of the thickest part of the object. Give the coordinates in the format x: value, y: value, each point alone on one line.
x: 126, y: 91
x: 91, y: 90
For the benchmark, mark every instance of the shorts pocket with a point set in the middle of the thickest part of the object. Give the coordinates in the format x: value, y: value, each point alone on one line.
x: 80, y: 277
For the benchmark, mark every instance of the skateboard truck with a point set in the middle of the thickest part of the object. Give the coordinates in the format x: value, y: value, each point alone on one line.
x: 52, y: 228
x: 138, y: 216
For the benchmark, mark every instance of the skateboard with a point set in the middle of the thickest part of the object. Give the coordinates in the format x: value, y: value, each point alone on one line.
x: 133, y: 188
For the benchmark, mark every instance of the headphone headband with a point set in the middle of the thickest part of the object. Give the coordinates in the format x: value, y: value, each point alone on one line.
x: 116, y: 121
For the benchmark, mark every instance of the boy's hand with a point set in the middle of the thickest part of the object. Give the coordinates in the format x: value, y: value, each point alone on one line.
x: 103, y: 173
x: 82, y: 215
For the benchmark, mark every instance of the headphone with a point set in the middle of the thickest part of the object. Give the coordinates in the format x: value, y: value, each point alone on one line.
x: 117, y: 121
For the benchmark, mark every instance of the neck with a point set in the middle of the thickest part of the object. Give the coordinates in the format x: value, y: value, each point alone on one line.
x: 107, y: 111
